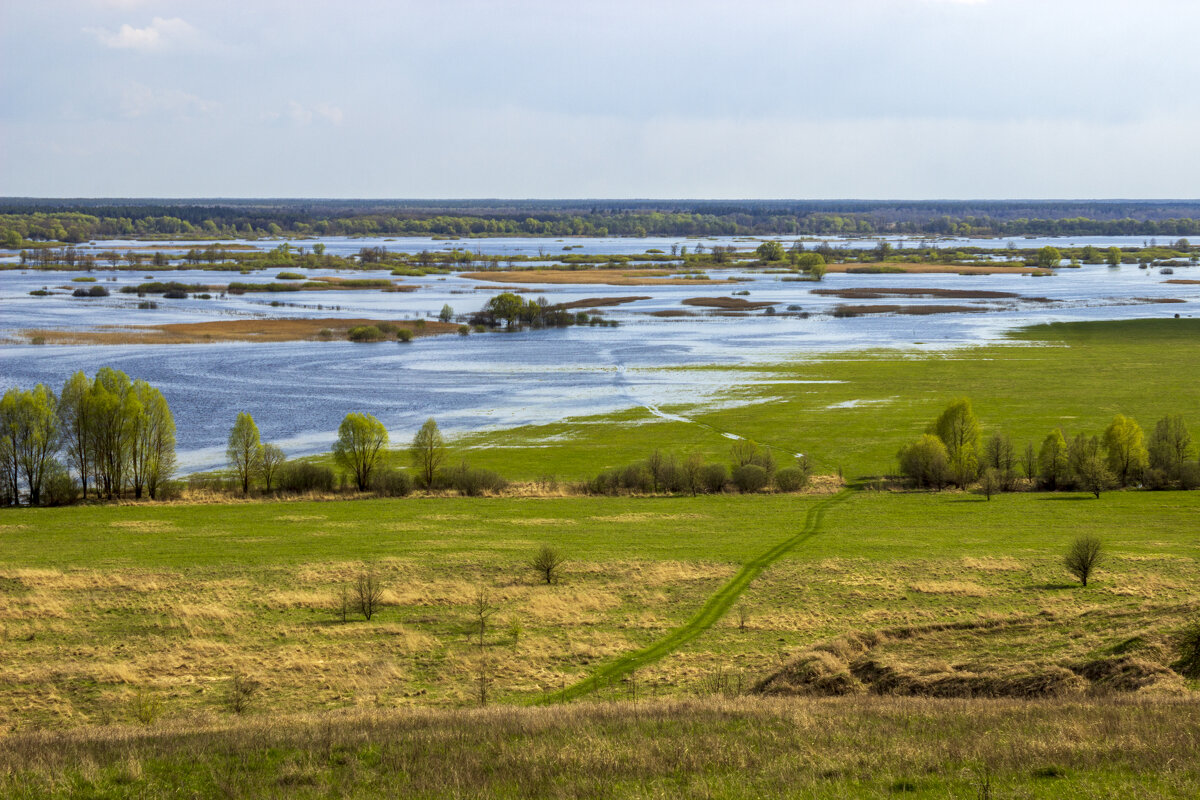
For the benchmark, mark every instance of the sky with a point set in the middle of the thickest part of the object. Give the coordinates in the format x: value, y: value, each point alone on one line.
x: 877, y: 99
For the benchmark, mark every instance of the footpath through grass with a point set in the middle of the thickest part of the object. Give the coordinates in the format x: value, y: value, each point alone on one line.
x: 716, y: 607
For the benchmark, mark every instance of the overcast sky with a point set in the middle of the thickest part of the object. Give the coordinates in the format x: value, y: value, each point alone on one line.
x: 591, y: 98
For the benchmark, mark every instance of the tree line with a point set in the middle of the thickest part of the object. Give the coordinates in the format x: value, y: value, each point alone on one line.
x: 115, y: 434
x: 953, y: 452
x: 75, y: 222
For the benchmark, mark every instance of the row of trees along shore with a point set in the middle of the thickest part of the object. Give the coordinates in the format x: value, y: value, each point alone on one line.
x: 110, y: 438
x: 953, y: 452
x: 115, y: 434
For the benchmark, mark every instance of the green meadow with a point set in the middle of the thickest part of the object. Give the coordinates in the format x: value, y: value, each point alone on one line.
x: 858, y: 644
x: 853, y: 411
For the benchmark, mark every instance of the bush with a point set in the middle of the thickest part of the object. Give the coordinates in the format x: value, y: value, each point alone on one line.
x: 606, y: 483
x: 391, y: 483
x: 302, y: 476
x: 713, y: 478
x: 366, y: 333
x: 791, y: 479
x: 750, y: 478
x: 58, y: 487
x: 636, y: 478
x: 175, y: 294
x: 464, y: 330
x: 404, y: 335
x: 475, y: 482
x: 95, y: 291
x: 1189, y: 476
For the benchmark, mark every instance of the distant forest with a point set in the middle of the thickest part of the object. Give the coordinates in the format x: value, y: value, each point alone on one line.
x: 25, y: 220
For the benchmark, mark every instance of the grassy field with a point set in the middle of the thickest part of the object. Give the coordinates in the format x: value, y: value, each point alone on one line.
x: 101, y: 605
x: 706, y: 748
x: 853, y: 411
x: 124, y: 628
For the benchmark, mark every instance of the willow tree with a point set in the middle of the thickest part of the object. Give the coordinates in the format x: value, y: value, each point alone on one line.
x: 427, y: 451
x: 242, y: 450
x: 29, y: 428
x: 958, y: 428
x: 152, y: 460
x: 1125, y: 447
x: 75, y: 415
x: 360, y: 447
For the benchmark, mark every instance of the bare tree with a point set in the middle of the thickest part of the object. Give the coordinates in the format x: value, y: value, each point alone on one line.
x: 1083, y: 556
x: 370, y: 593
x: 482, y: 610
x: 547, y: 562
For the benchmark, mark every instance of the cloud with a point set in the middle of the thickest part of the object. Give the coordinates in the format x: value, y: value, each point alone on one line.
x: 301, y: 114
x: 159, y: 35
x: 139, y: 100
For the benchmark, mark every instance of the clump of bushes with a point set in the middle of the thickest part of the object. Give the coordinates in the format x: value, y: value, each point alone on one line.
x: 404, y: 335
x: 749, y: 478
x: 304, y: 476
x: 94, y: 291
x: 366, y: 333
x: 754, y: 470
x: 391, y: 483
x: 474, y: 482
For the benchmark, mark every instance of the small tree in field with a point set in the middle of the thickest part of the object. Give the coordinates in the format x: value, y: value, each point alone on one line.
x: 428, y: 451
x: 546, y: 563
x: 1083, y: 556
x: 370, y: 593
x: 990, y: 482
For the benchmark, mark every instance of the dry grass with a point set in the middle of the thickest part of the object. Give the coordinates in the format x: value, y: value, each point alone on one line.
x: 234, y: 330
x: 926, y: 268
x: 916, y: 310
x: 600, y: 302
x: 603, y: 277
x: 876, y: 292
x: 713, y: 747
x: 728, y: 303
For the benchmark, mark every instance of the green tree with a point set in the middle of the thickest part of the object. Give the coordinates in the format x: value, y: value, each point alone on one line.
x: 242, y: 449
x: 770, y: 251
x: 1113, y: 256
x: 1083, y: 556
x: 75, y: 416
x: 428, y: 451
x: 1000, y: 456
x: 1170, y: 446
x: 152, y: 439
x: 360, y: 447
x: 1049, y: 257
x: 926, y: 462
x: 1053, y: 466
x: 1125, y: 447
x: 958, y: 428
x: 1088, y: 465
x: 447, y: 313
x: 505, y: 306
x: 29, y: 426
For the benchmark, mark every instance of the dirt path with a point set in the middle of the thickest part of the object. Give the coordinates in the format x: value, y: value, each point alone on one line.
x: 715, y: 608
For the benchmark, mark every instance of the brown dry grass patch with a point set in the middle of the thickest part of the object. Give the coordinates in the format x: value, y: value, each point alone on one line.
x: 236, y: 330
x: 728, y: 303
x: 600, y: 302
x: 923, y: 268
x: 603, y: 277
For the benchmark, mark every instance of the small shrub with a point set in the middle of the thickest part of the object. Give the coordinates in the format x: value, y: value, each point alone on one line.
x: 365, y: 333
x: 240, y: 693
x: 147, y: 305
x: 145, y: 706
x: 1189, y: 476
x: 713, y: 478
x: 391, y: 483
x: 636, y: 478
x: 302, y: 476
x: 388, y: 327
x: 58, y: 487
x: 464, y: 330
x: 547, y: 562
x: 1083, y: 556
x: 369, y: 591
x: 750, y: 478
x: 175, y: 294
x: 38, y: 340
x: 404, y: 335
x: 791, y: 479
x: 476, y: 482
x: 325, y: 333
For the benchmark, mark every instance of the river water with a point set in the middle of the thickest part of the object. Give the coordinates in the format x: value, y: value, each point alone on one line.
x: 299, y: 391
